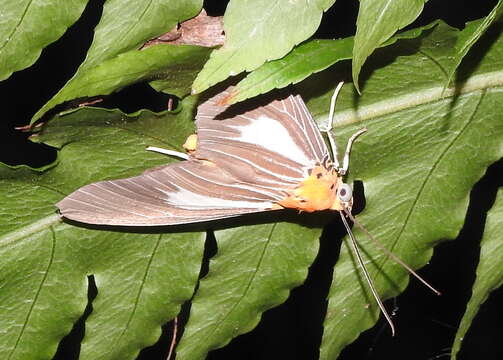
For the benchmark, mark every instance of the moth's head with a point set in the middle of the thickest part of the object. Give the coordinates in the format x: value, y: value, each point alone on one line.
x: 344, y: 197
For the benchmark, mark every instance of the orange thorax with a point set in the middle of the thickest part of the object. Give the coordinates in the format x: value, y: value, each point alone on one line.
x: 315, y: 193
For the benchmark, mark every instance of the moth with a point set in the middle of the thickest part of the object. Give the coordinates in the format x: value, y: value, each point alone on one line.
x: 268, y: 156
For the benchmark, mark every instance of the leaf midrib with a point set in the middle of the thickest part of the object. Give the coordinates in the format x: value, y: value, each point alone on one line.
x: 428, y: 176
x: 26, y: 231
x: 248, y: 285
x: 137, y: 297
x: 420, y: 97
x: 15, y: 28
x: 37, y: 295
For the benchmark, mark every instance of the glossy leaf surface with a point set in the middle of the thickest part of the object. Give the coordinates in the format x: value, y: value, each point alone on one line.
x: 27, y: 26
x: 489, y: 270
x: 114, y: 61
x: 259, y: 31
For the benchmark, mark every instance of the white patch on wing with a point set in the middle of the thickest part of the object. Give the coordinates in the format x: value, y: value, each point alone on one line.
x: 271, y: 135
x: 189, y: 200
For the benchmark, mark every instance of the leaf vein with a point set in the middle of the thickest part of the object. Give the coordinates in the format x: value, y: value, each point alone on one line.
x: 9, y: 37
x: 138, y: 295
x: 437, y: 63
x: 430, y: 172
x: 139, y: 20
x: 37, y: 295
x: 248, y: 286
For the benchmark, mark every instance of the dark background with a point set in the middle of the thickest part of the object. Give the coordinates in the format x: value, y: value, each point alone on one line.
x: 426, y: 323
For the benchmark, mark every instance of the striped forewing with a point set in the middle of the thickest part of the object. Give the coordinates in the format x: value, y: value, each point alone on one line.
x: 185, y: 192
x: 281, y: 130
x: 245, y: 162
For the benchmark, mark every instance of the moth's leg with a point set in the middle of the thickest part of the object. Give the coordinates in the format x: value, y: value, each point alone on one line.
x: 177, y: 154
x: 345, y: 160
x: 330, y: 124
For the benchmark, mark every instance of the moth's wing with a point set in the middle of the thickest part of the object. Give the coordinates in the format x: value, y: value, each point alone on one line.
x: 186, y: 192
x: 245, y: 161
x: 268, y: 142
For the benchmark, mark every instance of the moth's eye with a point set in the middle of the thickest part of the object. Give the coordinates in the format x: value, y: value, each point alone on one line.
x: 345, y: 193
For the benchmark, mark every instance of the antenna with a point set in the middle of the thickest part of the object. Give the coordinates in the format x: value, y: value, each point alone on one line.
x: 391, y: 255
x: 356, y: 251
x: 330, y: 124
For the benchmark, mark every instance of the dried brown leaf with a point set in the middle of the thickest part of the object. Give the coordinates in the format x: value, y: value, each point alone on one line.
x: 202, y: 30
